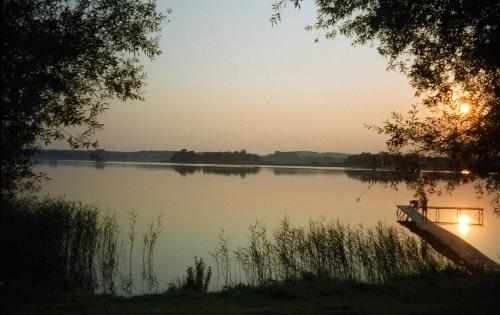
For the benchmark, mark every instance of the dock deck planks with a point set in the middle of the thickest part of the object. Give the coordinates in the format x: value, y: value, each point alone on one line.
x: 446, y: 242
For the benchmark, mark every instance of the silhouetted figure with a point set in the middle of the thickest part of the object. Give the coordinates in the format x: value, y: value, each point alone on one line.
x: 414, y: 203
x: 423, y: 205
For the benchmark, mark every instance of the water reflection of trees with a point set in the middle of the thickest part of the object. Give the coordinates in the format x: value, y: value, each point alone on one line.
x: 425, y: 184
x: 217, y: 170
x: 306, y: 171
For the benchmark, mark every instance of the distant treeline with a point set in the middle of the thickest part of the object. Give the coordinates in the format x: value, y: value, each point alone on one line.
x: 307, y: 158
x: 242, y: 157
x: 388, y: 160
x: 185, y: 156
x: 239, y: 157
x: 103, y: 155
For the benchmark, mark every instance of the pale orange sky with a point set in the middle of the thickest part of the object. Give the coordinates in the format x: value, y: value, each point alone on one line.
x: 228, y: 80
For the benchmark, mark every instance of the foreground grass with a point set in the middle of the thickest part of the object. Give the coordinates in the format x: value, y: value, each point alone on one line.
x: 426, y: 294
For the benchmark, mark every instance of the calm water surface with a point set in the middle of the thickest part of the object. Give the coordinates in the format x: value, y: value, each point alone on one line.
x: 197, y: 202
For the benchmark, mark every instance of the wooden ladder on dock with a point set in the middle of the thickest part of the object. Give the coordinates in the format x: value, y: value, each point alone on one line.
x: 445, y: 242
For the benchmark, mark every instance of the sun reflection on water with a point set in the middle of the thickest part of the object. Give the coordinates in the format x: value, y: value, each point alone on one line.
x: 463, y: 224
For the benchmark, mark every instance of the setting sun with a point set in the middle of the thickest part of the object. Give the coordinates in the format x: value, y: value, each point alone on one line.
x: 464, y: 108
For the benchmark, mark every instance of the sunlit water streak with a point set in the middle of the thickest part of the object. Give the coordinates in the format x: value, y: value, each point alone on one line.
x: 463, y: 225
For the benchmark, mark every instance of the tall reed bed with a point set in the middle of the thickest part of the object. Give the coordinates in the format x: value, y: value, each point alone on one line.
x: 50, y: 242
x: 331, y: 250
x: 54, y: 243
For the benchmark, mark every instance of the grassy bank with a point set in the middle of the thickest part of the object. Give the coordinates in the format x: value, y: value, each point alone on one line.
x: 439, y: 293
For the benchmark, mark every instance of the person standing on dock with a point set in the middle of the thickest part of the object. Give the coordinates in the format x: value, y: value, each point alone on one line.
x: 423, y: 205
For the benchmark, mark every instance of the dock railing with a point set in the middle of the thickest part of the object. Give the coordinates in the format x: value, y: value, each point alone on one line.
x: 448, y: 215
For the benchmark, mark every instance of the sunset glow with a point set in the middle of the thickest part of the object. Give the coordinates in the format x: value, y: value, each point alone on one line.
x: 251, y: 88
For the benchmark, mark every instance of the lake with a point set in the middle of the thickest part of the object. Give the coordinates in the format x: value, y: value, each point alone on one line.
x: 196, y: 202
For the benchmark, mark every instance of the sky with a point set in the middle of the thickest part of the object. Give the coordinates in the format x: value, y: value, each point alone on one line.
x: 229, y: 80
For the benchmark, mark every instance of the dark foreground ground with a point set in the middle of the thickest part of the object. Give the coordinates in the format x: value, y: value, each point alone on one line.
x: 436, y: 294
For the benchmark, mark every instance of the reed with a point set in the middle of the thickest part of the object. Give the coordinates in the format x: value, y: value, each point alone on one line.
x: 197, y: 278
x: 128, y: 280
x: 223, y: 261
x: 57, y: 244
x: 150, y: 239
x: 333, y: 250
x: 50, y: 243
x: 108, y: 253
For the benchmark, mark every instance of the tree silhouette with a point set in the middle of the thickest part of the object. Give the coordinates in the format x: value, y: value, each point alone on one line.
x: 449, y: 50
x: 61, y: 64
x: 185, y: 156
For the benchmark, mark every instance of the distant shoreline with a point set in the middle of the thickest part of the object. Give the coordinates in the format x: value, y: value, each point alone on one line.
x: 283, y: 165
x: 264, y: 164
x: 236, y: 165
x: 366, y: 161
x: 282, y: 158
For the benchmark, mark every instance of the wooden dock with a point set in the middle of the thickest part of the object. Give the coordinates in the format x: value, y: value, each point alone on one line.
x: 445, y: 242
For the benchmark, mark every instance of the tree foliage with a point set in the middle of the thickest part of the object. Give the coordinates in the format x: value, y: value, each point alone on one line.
x: 449, y: 51
x: 62, y: 62
x: 185, y: 156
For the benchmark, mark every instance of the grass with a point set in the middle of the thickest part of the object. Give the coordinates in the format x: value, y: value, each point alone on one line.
x: 436, y: 293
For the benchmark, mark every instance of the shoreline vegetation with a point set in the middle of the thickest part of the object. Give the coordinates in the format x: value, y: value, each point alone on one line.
x: 381, y: 160
x: 77, y: 251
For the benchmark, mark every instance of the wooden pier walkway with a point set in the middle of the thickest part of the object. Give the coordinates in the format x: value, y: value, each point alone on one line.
x: 445, y: 242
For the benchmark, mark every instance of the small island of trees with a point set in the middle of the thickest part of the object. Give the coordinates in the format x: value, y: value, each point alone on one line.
x: 236, y: 157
